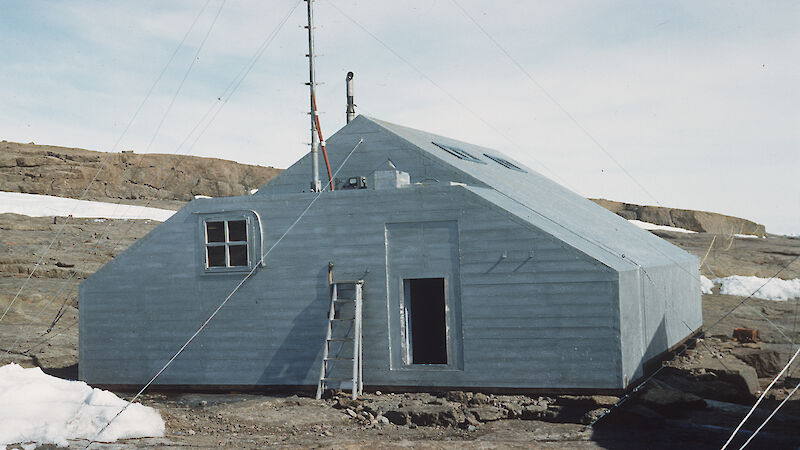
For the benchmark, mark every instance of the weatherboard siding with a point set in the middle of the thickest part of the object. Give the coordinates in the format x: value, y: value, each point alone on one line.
x: 552, y: 290
x: 535, y: 322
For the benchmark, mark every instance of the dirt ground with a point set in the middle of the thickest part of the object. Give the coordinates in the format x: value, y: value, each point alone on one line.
x: 695, y: 401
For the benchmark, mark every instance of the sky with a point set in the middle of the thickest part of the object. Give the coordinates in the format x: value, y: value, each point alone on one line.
x: 683, y: 104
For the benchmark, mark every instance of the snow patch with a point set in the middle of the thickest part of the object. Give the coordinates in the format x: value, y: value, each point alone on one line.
x: 652, y: 226
x: 201, y: 196
x: 39, y: 408
x: 706, y: 285
x: 253, y: 191
x: 776, y: 289
x: 36, y: 205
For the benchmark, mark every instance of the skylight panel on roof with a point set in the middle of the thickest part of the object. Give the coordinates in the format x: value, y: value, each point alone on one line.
x: 458, y: 153
x: 505, y: 163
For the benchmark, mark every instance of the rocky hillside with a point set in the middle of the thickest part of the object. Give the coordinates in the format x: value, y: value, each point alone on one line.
x: 65, y: 172
x: 700, y: 221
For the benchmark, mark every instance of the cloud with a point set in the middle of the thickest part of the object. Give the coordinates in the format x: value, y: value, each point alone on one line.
x: 697, y: 101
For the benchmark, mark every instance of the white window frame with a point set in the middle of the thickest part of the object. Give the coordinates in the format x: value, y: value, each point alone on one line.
x: 227, y: 243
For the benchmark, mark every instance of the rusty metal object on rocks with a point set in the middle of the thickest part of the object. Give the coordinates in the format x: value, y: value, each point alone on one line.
x: 745, y: 335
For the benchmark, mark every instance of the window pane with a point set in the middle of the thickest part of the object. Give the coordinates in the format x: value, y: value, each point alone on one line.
x: 216, y: 256
x: 505, y: 163
x: 238, y: 255
x: 458, y: 153
x: 215, y: 232
x: 237, y: 230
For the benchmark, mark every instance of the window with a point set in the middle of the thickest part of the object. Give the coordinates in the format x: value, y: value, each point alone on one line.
x: 226, y: 244
x: 505, y: 163
x: 228, y: 241
x: 458, y: 153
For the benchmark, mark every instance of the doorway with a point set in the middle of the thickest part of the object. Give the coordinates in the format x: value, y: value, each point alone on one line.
x: 424, y: 297
x: 425, y: 303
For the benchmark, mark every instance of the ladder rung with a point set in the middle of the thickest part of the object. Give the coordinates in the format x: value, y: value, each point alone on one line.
x: 344, y: 300
x: 343, y: 320
x: 338, y: 359
x: 340, y: 339
x: 337, y: 379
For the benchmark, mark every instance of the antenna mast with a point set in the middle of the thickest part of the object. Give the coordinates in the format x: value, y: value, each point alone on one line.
x: 351, y: 106
x: 315, y: 184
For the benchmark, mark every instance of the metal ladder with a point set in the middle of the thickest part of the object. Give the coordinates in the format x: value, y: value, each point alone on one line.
x: 344, y: 327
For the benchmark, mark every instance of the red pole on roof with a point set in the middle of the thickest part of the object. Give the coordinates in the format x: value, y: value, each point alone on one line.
x: 322, y: 142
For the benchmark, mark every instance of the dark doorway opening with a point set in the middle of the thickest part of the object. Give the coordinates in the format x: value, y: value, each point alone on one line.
x: 427, y: 321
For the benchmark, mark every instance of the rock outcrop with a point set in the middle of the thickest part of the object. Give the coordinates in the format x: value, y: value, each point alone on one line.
x: 700, y: 221
x: 65, y: 172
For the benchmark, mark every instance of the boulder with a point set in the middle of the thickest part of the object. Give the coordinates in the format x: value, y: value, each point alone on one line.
x: 735, y: 384
x: 563, y: 414
x: 593, y: 415
x: 487, y: 413
x: 533, y: 411
x: 343, y: 402
x: 745, y: 378
x: 426, y: 415
x: 767, y: 363
x: 669, y: 402
x: 514, y: 410
x: 479, y: 399
x: 457, y: 396
x: 589, y: 401
x: 445, y: 416
x: 397, y: 416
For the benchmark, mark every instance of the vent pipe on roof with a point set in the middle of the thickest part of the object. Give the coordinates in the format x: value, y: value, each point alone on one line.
x: 351, y: 107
